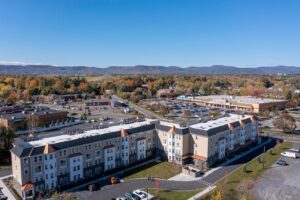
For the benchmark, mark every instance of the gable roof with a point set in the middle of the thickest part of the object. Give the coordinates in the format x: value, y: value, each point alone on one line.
x: 172, y: 130
x: 27, y: 186
x: 49, y: 149
x: 123, y: 133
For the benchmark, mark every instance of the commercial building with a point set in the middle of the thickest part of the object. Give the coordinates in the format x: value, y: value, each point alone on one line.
x: 96, y: 102
x: 241, y: 103
x: 48, y: 163
x: 44, y: 116
x: 6, y: 109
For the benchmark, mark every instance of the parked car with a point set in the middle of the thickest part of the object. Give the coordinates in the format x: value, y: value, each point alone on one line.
x: 2, y: 197
x: 295, y: 150
x: 112, y: 180
x: 289, y: 154
x: 132, y: 196
x: 121, y: 198
x: 98, y: 185
x: 281, y: 162
x: 140, y: 193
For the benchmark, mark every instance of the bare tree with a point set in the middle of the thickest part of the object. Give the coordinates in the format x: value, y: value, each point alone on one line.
x: 33, y: 122
x: 63, y: 196
x: 244, y: 189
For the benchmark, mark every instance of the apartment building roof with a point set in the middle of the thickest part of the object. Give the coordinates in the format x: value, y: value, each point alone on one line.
x: 222, y: 124
x: 231, y: 121
x: 210, y: 127
x: 37, y: 147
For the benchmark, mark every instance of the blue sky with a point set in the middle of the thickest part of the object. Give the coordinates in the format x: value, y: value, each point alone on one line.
x: 183, y: 33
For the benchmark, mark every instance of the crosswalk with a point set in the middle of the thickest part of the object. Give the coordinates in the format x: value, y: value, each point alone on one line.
x: 204, y: 182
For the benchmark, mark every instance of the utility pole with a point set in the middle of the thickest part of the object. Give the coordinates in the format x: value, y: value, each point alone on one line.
x: 264, y: 157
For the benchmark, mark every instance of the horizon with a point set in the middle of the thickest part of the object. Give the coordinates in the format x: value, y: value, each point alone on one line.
x: 138, y: 65
x: 105, y: 33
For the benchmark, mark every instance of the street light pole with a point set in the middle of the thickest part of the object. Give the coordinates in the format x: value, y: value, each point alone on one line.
x: 147, y: 193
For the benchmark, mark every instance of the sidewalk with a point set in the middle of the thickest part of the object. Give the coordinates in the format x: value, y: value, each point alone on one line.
x: 5, y: 190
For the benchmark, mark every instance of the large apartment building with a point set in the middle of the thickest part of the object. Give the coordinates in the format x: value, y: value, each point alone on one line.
x: 58, y: 161
x: 205, y: 144
x: 52, y: 162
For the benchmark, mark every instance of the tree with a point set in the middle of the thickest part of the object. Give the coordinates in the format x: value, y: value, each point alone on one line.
x: 218, y: 195
x: 285, y: 122
x: 187, y: 114
x: 244, y: 189
x: 33, y: 122
x: 267, y: 83
x: 7, y: 137
x: 63, y: 196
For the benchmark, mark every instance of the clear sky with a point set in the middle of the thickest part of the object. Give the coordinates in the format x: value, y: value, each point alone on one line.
x: 150, y: 32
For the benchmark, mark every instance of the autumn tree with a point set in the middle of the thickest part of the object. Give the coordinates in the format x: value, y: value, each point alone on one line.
x: 285, y: 122
x: 187, y: 114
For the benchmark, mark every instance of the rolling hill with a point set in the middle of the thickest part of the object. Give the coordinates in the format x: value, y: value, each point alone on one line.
x: 142, y: 69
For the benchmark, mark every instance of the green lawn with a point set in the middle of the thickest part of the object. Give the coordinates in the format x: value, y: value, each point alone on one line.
x: 251, y: 172
x: 172, y: 195
x: 163, y: 170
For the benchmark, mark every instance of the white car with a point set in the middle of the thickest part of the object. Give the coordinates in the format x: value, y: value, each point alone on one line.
x: 140, y: 193
x: 295, y: 150
x: 289, y: 154
x: 121, y: 198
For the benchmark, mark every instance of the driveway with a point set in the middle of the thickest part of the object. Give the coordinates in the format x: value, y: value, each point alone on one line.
x: 113, y: 191
x: 279, y: 182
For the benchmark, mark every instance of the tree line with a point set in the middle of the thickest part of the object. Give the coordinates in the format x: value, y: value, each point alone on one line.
x: 138, y: 87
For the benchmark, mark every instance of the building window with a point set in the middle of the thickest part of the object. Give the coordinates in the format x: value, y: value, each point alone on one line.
x: 62, y: 163
x: 38, y: 169
x: 98, y: 154
x: 88, y: 156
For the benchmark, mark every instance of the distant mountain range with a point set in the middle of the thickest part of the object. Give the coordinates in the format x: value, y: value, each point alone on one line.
x: 142, y: 69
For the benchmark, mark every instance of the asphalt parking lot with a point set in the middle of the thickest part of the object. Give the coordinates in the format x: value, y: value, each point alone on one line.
x: 280, y: 182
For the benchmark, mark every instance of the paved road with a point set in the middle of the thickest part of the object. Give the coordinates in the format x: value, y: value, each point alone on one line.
x: 279, y: 182
x: 130, y: 185
x: 5, y: 171
x: 113, y: 191
x: 142, y: 110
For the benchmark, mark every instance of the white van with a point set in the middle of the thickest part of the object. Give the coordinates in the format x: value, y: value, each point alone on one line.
x: 289, y: 154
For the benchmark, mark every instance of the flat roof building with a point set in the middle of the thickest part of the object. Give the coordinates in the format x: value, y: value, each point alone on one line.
x: 41, y: 165
x: 45, y: 116
x: 241, y: 103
